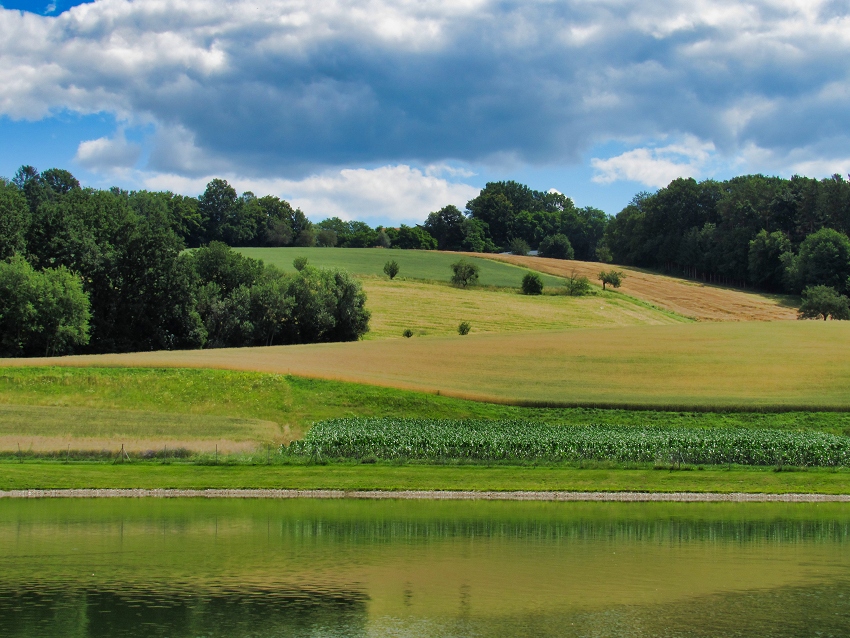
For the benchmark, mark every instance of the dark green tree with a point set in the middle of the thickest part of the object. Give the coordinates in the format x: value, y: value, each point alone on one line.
x: 464, y: 273
x: 823, y: 259
x: 822, y: 302
x: 391, y: 268
x: 14, y: 220
x: 557, y: 247
x: 532, y: 284
x: 612, y: 278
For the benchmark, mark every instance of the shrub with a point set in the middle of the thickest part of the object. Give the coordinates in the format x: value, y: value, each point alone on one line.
x: 464, y: 273
x: 299, y: 263
x: 577, y: 285
x: 407, y: 334
x: 612, y: 278
x: 556, y: 246
x: 532, y: 284
x: 519, y: 246
x: 464, y: 327
x: 823, y: 301
x: 391, y: 268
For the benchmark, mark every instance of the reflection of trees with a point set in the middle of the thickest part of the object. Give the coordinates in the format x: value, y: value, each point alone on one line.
x: 120, y: 613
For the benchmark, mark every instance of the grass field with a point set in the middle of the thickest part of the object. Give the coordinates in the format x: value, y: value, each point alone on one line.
x: 437, y: 309
x: 57, y: 475
x: 686, y: 297
x: 743, y: 365
x: 414, y: 264
x: 52, y: 409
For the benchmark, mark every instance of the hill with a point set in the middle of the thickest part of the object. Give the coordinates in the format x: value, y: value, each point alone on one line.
x: 694, y: 299
x: 741, y: 365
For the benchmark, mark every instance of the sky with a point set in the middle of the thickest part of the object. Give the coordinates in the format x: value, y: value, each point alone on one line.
x: 385, y: 110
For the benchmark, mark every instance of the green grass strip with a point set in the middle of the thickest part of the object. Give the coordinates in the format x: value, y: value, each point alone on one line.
x: 53, y: 475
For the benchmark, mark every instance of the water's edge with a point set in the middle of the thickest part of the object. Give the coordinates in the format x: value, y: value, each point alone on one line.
x: 455, y: 495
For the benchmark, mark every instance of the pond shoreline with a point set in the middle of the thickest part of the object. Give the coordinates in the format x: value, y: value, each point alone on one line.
x: 452, y: 495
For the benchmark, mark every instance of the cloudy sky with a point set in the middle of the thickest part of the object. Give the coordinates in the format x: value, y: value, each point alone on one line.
x: 384, y: 110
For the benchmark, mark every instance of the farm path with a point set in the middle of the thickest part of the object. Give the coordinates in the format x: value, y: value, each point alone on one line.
x: 704, y: 302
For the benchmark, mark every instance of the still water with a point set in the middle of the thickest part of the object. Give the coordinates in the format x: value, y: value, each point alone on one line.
x: 203, y: 568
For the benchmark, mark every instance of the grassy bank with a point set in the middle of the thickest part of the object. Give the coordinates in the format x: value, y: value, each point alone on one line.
x: 52, y: 409
x: 56, y: 475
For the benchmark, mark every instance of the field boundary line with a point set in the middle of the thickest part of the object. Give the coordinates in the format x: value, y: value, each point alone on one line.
x: 450, y: 495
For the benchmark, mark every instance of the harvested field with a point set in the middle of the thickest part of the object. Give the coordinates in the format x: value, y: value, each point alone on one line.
x: 436, y: 309
x: 704, y: 302
x: 704, y: 365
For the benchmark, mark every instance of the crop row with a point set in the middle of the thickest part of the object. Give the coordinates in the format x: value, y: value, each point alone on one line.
x: 422, y: 439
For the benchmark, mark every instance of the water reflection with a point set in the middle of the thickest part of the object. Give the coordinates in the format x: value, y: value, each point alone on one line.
x: 340, y: 568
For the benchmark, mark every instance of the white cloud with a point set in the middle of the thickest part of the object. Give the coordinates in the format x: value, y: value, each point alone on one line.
x: 395, y: 194
x: 107, y: 155
x: 294, y: 86
x: 655, y: 167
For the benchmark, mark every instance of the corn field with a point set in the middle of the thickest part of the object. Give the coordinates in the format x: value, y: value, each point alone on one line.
x: 437, y: 440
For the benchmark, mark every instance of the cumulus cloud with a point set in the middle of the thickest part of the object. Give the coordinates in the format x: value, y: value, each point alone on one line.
x: 294, y: 86
x: 398, y: 193
x: 655, y: 167
x: 108, y: 155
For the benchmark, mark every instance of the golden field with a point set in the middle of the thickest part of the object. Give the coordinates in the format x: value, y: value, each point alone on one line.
x: 707, y: 365
x: 694, y: 299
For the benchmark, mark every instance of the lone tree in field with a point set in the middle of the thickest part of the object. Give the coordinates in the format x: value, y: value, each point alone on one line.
x: 532, y: 284
x: 612, y: 278
x: 464, y: 327
x: 465, y: 273
x: 823, y: 301
x: 391, y: 268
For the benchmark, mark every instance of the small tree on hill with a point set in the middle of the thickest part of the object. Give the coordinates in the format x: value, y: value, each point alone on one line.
x: 532, y: 284
x: 391, y: 268
x: 465, y: 273
x: 612, y: 278
x: 577, y: 285
x: 823, y: 301
x: 464, y: 327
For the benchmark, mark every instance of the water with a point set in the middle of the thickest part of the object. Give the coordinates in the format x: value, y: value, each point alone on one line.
x: 203, y: 568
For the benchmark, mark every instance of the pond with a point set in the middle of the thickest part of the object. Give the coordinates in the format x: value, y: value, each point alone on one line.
x: 204, y: 568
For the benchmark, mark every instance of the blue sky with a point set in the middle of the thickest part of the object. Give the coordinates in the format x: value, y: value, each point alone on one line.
x: 384, y: 110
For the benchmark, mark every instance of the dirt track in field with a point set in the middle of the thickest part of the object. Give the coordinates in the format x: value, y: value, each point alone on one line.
x: 704, y: 302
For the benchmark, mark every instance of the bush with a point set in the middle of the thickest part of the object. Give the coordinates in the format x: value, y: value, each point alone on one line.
x: 407, y: 334
x: 464, y: 273
x: 532, y: 284
x: 557, y: 247
x: 464, y: 327
x: 823, y: 301
x: 299, y: 263
x: 519, y: 247
x: 612, y: 278
x: 391, y: 268
x: 577, y: 285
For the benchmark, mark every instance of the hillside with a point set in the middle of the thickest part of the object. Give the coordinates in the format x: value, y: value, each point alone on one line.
x: 704, y: 302
x: 708, y: 365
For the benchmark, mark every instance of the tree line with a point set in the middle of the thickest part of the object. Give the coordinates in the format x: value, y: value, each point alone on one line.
x: 93, y: 271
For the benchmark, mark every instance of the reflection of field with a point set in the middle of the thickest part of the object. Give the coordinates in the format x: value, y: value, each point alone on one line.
x: 710, y: 364
x: 426, y: 559
x: 436, y: 309
x: 685, y: 297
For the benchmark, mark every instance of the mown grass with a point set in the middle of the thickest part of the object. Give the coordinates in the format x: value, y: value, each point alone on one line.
x: 57, y: 475
x: 429, y: 308
x: 415, y: 264
x: 747, y: 366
